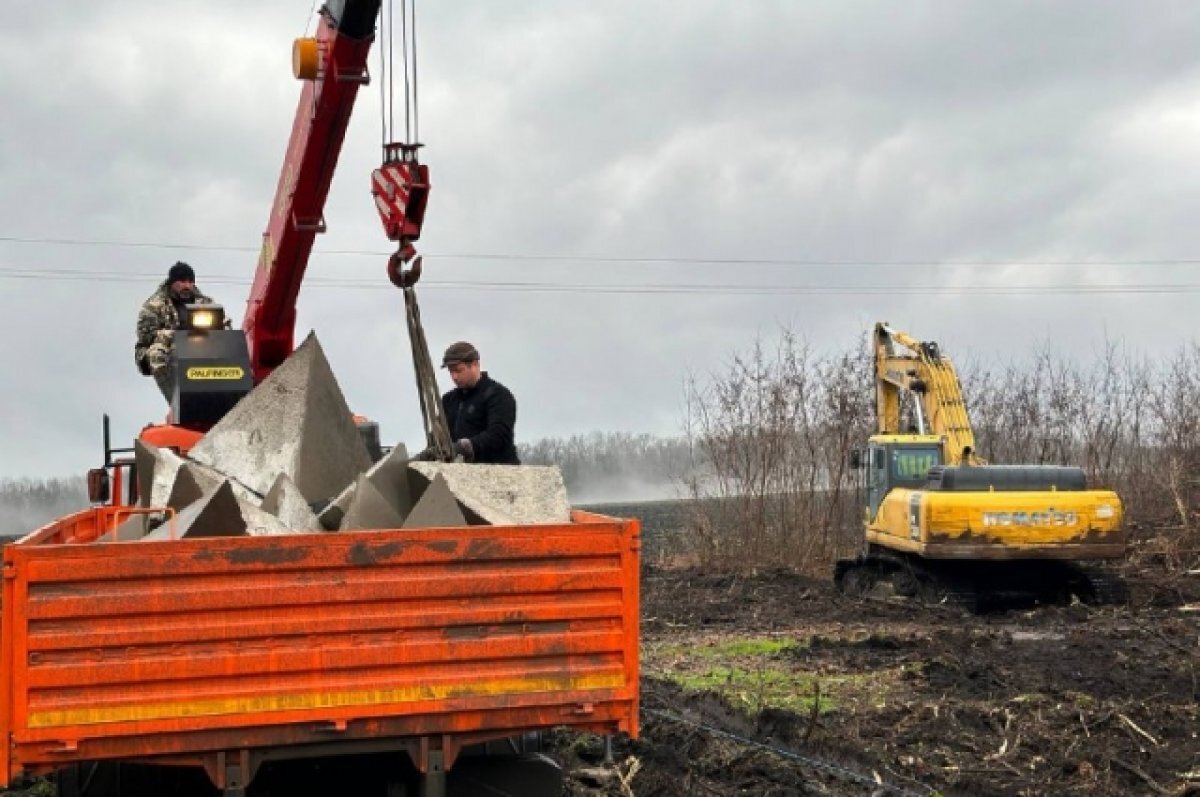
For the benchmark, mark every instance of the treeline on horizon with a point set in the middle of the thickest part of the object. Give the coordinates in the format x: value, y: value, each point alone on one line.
x: 27, y: 504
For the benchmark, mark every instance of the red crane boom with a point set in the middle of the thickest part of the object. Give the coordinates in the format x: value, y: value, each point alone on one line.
x: 333, y: 66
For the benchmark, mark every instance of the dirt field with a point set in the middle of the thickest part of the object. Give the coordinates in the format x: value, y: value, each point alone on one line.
x: 865, y: 697
x: 774, y: 684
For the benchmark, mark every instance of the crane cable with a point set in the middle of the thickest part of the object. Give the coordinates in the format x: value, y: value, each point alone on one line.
x: 387, y: 69
x: 384, y: 48
x: 312, y: 9
x: 408, y: 44
x: 437, y: 432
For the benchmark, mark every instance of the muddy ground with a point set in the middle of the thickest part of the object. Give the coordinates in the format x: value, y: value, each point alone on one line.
x: 822, y: 694
x: 772, y: 683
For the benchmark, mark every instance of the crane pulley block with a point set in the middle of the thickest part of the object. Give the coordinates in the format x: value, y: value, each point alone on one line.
x: 401, y: 189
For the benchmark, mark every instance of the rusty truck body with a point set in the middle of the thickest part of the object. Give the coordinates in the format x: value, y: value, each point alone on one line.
x: 227, y: 652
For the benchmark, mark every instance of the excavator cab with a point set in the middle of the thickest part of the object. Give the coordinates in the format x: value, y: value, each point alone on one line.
x: 892, y: 461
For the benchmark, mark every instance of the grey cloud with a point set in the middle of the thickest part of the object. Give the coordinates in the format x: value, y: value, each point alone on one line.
x: 851, y: 130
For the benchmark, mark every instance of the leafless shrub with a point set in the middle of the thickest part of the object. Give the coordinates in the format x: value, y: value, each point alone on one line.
x: 1173, y: 401
x: 770, y: 439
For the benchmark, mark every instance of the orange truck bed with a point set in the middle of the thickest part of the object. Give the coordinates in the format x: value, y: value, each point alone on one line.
x: 220, y: 650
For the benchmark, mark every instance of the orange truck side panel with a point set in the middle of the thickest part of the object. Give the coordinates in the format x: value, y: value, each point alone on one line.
x: 141, y: 649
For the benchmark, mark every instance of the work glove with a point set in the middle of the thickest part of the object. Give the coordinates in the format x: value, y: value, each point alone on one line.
x: 465, y: 450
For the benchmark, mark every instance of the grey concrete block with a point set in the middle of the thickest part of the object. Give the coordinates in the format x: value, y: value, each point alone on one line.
x: 334, y: 512
x: 502, y: 494
x: 194, y: 481
x: 389, y: 476
x: 132, y: 528
x: 437, y: 506
x: 144, y: 457
x: 219, y: 513
x: 214, y: 515
x: 261, y: 524
x: 296, y: 422
x: 166, y: 467
x: 285, y: 501
x: 370, y: 509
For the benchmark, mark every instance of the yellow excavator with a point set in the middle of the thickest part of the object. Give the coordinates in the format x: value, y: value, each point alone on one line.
x: 942, y: 523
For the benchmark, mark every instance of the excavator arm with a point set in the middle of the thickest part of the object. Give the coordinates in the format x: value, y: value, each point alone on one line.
x: 333, y: 66
x: 905, y: 365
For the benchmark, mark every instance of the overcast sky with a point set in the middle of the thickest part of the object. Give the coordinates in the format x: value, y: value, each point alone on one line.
x: 920, y: 162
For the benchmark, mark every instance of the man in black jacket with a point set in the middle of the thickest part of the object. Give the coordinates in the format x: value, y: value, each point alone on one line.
x: 480, y: 412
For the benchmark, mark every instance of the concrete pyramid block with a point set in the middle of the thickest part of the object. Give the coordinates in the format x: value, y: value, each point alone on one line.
x: 437, y: 506
x: 285, y: 501
x: 193, y: 481
x: 144, y: 457
x: 332, y: 515
x: 389, y: 476
x: 166, y: 467
x: 261, y: 524
x: 296, y: 422
x: 132, y: 528
x: 219, y: 513
x: 370, y: 509
x: 502, y: 494
x: 214, y: 515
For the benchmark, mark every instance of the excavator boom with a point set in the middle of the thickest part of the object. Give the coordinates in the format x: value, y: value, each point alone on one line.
x: 904, y: 364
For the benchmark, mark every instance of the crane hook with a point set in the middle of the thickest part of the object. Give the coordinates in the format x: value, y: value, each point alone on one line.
x: 400, y: 276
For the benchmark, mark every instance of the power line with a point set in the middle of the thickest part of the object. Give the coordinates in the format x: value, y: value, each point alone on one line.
x: 552, y: 258
x: 710, y: 289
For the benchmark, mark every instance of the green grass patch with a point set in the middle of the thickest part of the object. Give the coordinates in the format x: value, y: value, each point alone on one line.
x: 737, y: 648
x: 759, y: 688
x: 756, y: 647
x: 764, y: 672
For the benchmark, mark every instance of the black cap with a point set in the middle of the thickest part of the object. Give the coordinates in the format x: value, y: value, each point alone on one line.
x: 460, y: 352
x: 181, y: 271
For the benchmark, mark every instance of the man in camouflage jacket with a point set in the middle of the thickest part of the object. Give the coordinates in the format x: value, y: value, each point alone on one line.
x: 162, y: 314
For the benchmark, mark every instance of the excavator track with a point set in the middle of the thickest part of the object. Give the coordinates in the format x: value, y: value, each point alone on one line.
x: 977, y: 587
x: 1106, y: 587
x: 883, y: 573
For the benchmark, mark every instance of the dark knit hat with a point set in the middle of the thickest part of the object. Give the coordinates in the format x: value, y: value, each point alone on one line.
x: 181, y: 271
x: 460, y: 352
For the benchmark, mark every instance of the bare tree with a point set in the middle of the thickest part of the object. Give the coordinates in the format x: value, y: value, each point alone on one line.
x: 770, y: 438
